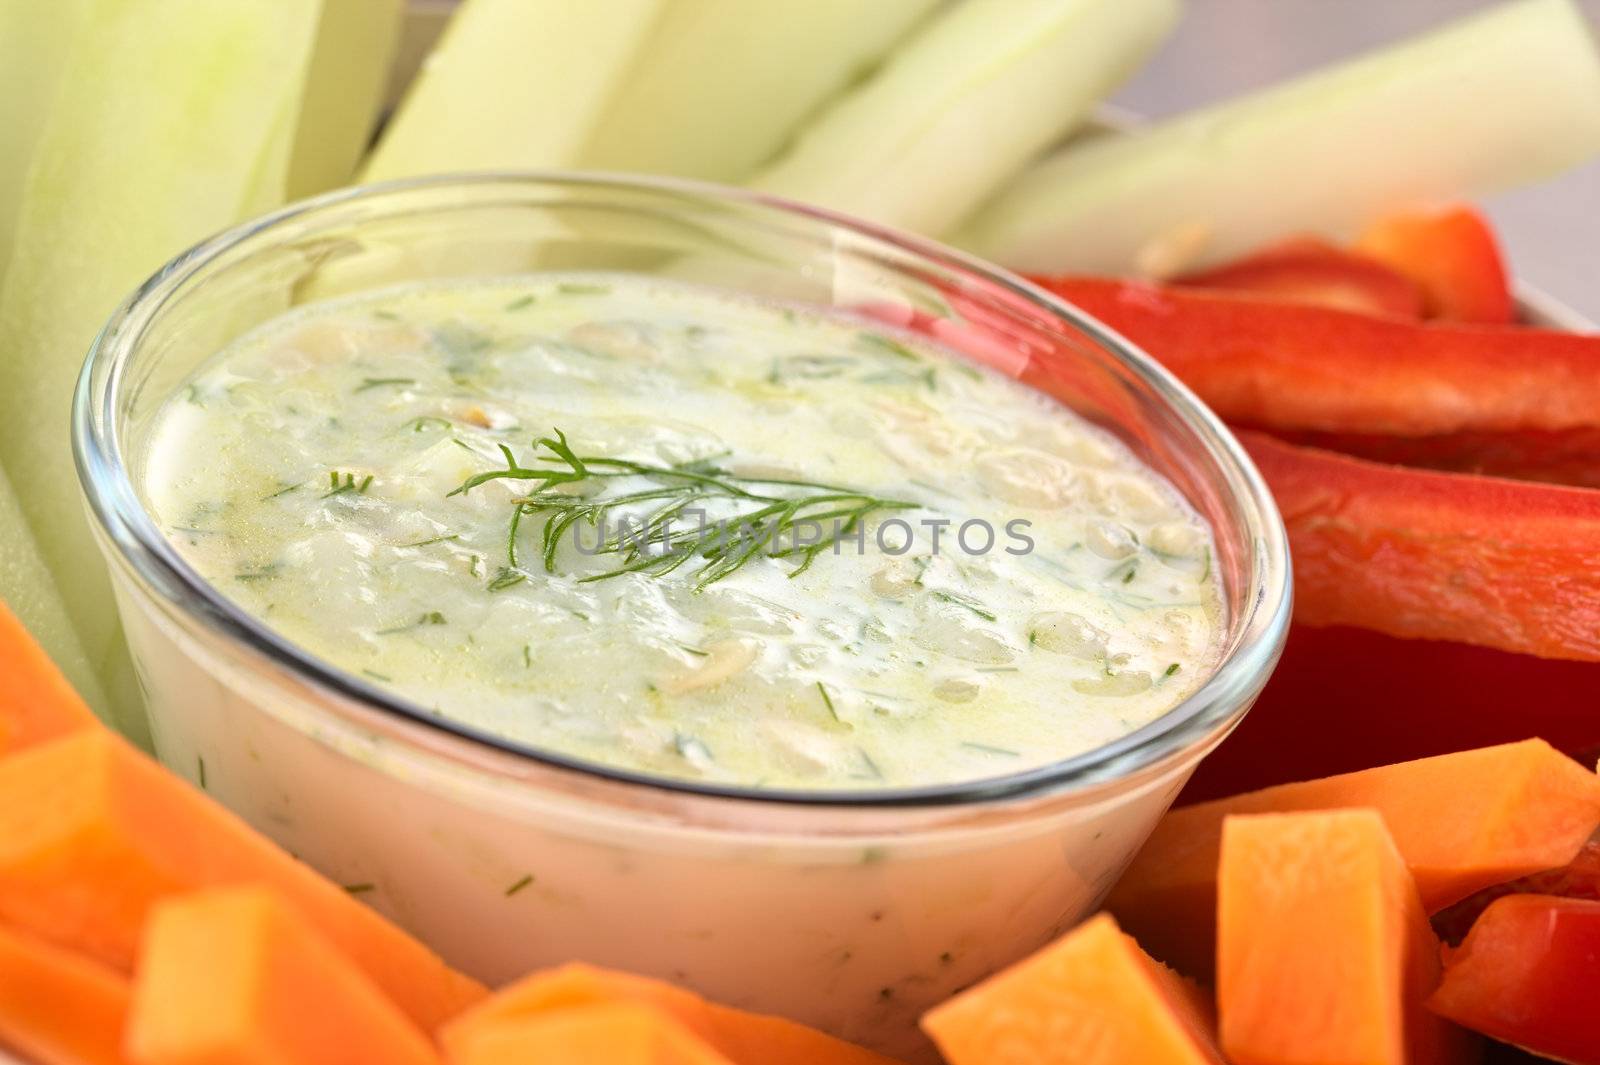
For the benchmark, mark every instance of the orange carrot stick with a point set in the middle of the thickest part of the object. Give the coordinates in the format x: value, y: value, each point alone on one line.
x: 1091, y: 998
x: 233, y: 976
x: 36, y: 702
x: 744, y: 1038
x: 1324, y: 953
x: 1462, y: 822
x: 58, y: 1008
x: 93, y: 834
x: 615, y: 1033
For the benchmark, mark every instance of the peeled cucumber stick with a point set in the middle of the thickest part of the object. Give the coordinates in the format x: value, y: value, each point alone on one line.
x: 172, y: 126
x: 963, y: 105
x: 34, y: 38
x: 723, y: 83
x: 28, y: 589
x: 513, y: 85
x: 356, y: 42
x: 1500, y: 98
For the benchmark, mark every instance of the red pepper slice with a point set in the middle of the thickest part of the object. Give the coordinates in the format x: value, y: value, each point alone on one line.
x: 1344, y: 699
x: 1529, y: 974
x: 1480, y: 560
x: 1287, y: 366
x: 1578, y: 879
x: 1309, y: 270
x: 1570, y: 456
x: 1452, y: 253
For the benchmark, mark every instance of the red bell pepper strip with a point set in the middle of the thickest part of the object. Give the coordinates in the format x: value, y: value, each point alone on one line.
x: 1578, y: 879
x: 1570, y: 456
x: 1529, y: 974
x: 1344, y: 699
x: 1452, y: 254
x: 1415, y: 553
x: 1309, y: 270
x: 1278, y: 365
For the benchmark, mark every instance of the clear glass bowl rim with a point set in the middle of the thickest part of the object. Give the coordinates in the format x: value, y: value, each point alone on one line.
x: 1198, y: 722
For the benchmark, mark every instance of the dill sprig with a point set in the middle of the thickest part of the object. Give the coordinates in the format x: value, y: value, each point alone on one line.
x: 766, y: 511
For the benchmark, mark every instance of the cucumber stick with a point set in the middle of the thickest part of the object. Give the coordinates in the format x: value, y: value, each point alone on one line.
x: 34, y: 38
x: 173, y: 124
x: 963, y: 105
x: 28, y: 589
x: 513, y: 84
x: 1503, y: 97
x: 355, y: 46
x: 723, y: 84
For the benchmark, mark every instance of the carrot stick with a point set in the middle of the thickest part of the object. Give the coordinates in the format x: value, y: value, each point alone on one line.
x: 1503, y: 564
x: 36, y: 702
x: 1091, y: 998
x: 1324, y: 953
x: 1277, y: 365
x: 614, y: 1033
x: 233, y: 976
x: 58, y: 1008
x: 1462, y: 822
x: 744, y: 1038
x: 93, y: 834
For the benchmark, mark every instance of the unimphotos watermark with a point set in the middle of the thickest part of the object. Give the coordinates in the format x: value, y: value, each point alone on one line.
x: 891, y: 536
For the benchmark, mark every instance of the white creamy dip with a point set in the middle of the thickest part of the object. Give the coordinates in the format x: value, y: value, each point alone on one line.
x: 1015, y: 587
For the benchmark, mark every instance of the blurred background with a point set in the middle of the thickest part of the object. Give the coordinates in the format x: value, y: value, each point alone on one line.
x: 1226, y: 47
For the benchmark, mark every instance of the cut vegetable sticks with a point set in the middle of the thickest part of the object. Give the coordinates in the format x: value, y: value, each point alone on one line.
x: 618, y: 1033
x: 1309, y: 270
x: 235, y: 977
x: 1529, y: 974
x: 175, y: 122
x: 36, y: 702
x: 1442, y: 556
x: 57, y: 1007
x: 1276, y: 365
x: 1091, y: 998
x: 744, y: 1038
x: 93, y: 834
x: 1461, y: 821
x: 1452, y: 254
x: 1323, y: 951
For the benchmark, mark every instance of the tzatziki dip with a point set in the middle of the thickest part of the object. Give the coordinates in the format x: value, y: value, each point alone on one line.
x: 671, y: 531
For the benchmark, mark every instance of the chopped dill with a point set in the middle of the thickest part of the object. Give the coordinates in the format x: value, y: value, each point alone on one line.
x: 375, y: 675
x: 285, y: 490
x: 370, y: 383
x: 347, y: 485
x: 202, y: 764
x: 966, y: 602
x: 872, y: 767
x: 506, y: 578
x: 259, y: 573
x: 432, y: 617
x: 527, y: 878
x: 582, y: 288
x: 985, y: 748
x: 827, y: 700
x: 433, y: 540
x: 416, y: 425
x: 882, y: 343
x: 522, y: 302
x: 359, y: 889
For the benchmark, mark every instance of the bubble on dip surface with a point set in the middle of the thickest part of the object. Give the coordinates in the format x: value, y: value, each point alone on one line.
x: 998, y: 584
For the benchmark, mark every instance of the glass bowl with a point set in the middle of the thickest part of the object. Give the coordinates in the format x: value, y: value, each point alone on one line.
x: 850, y: 910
